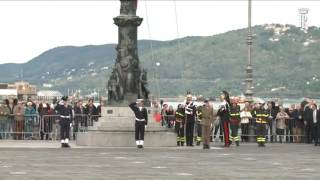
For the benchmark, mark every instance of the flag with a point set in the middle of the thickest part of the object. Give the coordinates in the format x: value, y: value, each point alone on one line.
x: 157, y: 117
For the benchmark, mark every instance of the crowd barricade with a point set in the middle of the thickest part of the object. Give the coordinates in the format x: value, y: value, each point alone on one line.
x: 293, y: 133
x: 19, y: 126
x: 41, y: 127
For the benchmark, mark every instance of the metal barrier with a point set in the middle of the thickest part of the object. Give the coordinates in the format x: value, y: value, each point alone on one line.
x: 44, y: 127
x: 293, y: 133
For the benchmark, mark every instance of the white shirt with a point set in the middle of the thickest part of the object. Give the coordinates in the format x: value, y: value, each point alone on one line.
x: 245, y: 115
x: 315, y: 116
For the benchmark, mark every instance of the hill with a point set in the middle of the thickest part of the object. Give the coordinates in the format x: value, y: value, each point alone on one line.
x: 286, y: 62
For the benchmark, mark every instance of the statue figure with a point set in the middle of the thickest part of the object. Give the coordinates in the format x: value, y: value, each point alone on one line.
x: 143, y: 91
x: 112, y: 87
x: 127, y: 7
x: 128, y: 81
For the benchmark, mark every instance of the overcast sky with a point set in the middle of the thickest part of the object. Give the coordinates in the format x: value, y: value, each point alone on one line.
x: 28, y: 28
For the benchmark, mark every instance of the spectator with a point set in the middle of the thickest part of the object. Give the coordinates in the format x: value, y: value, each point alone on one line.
x: 289, y: 124
x: 297, y: 124
x: 29, y: 99
x: 11, y: 103
x: 30, y: 119
x: 281, y: 122
x: 91, y: 111
x: 18, y: 112
x: 4, y: 120
x: 170, y: 117
x: 315, y: 124
x: 79, y: 118
x: 245, y: 116
x: 308, y: 118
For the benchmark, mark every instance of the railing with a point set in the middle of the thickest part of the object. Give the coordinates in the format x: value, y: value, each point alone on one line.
x: 292, y: 133
x: 44, y: 127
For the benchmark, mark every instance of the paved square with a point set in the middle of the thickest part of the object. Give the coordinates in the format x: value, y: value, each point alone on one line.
x: 45, y: 161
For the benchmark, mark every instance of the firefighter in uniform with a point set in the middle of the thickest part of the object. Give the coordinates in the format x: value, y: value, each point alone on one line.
x: 179, y: 125
x: 234, y: 121
x: 261, y: 117
x: 141, y: 121
x: 223, y: 113
x: 65, y: 120
x: 198, y: 138
x: 190, y: 116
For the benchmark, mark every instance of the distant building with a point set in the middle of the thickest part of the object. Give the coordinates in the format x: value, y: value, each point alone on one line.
x: 47, y: 85
x: 48, y: 95
x: 23, y: 89
x: 8, y: 93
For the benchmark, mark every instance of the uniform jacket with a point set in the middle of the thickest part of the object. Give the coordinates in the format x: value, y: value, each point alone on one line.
x: 180, y: 116
x: 190, y: 112
x: 208, y: 115
x: 224, y: 112
x: 235, y: 114
x: 139, y: 114
x: 64, y: 111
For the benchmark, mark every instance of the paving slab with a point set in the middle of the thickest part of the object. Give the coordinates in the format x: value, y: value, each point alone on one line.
x: 45, y: 160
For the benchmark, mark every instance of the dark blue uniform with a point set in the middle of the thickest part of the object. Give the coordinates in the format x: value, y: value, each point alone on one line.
x: 65, y: 113
x: 141, y: 116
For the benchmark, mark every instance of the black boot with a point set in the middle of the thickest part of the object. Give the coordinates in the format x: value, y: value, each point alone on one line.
x: 182, y: 143
x: 237, y: 143
x: 178, y: 143
x: 206, y: 146
x: 67, y: 145
x: 198, y: 143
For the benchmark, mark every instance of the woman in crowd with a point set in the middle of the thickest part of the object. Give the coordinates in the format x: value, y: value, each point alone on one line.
x: 30, y: 115
x: 245, y: 116
x: 281, y: 118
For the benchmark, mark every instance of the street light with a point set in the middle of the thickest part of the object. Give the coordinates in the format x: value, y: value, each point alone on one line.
x: 157, y: 78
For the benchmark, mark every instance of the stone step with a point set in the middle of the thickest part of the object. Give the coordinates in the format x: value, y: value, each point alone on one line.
x: 123, y: 128
x: 125, y: 139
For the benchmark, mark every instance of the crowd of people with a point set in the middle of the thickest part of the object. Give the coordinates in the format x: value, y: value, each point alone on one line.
x: 28, y: 119
x: 234, y: 122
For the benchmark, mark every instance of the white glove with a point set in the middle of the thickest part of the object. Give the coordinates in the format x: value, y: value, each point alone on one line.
x: 145, y: 126
x: 70, y: 124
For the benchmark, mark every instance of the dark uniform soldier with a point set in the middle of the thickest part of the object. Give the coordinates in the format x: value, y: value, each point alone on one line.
x: 141, y: 115
x: 224, y: 114
x: 190, y: 115
x: 179, y: 125
x: 234, y: 121
x: 65, y: 112
x: 261, y: 117
x: 198, y: 138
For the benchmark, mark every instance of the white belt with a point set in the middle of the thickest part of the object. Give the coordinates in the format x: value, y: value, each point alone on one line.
x: 65, y: 116
x: 140, y: 119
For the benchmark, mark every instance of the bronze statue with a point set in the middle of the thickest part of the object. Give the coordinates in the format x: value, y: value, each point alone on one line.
x: 128, y: 81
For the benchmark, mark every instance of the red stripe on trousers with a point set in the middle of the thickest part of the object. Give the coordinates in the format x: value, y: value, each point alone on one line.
x: 226, y: 133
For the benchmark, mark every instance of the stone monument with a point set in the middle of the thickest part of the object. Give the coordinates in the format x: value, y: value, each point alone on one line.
x: 127, y: 82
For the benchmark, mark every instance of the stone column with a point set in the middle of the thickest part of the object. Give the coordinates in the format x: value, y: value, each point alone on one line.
x: 125, y: 84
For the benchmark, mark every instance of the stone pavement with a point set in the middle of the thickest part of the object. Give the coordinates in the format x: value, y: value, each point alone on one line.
x: 36, y: 160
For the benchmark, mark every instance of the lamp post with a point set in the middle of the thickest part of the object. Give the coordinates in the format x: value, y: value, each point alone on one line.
x: 157, y: 78
x: 249, y: 70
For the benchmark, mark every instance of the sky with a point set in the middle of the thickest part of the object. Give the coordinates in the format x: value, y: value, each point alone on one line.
x: 28, y: 28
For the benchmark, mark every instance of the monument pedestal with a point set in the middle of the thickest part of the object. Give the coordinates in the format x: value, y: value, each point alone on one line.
x: 116, y: 129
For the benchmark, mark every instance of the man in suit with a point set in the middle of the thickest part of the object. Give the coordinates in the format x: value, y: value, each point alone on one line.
x: 141, y: 116
x: 315, y: 124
